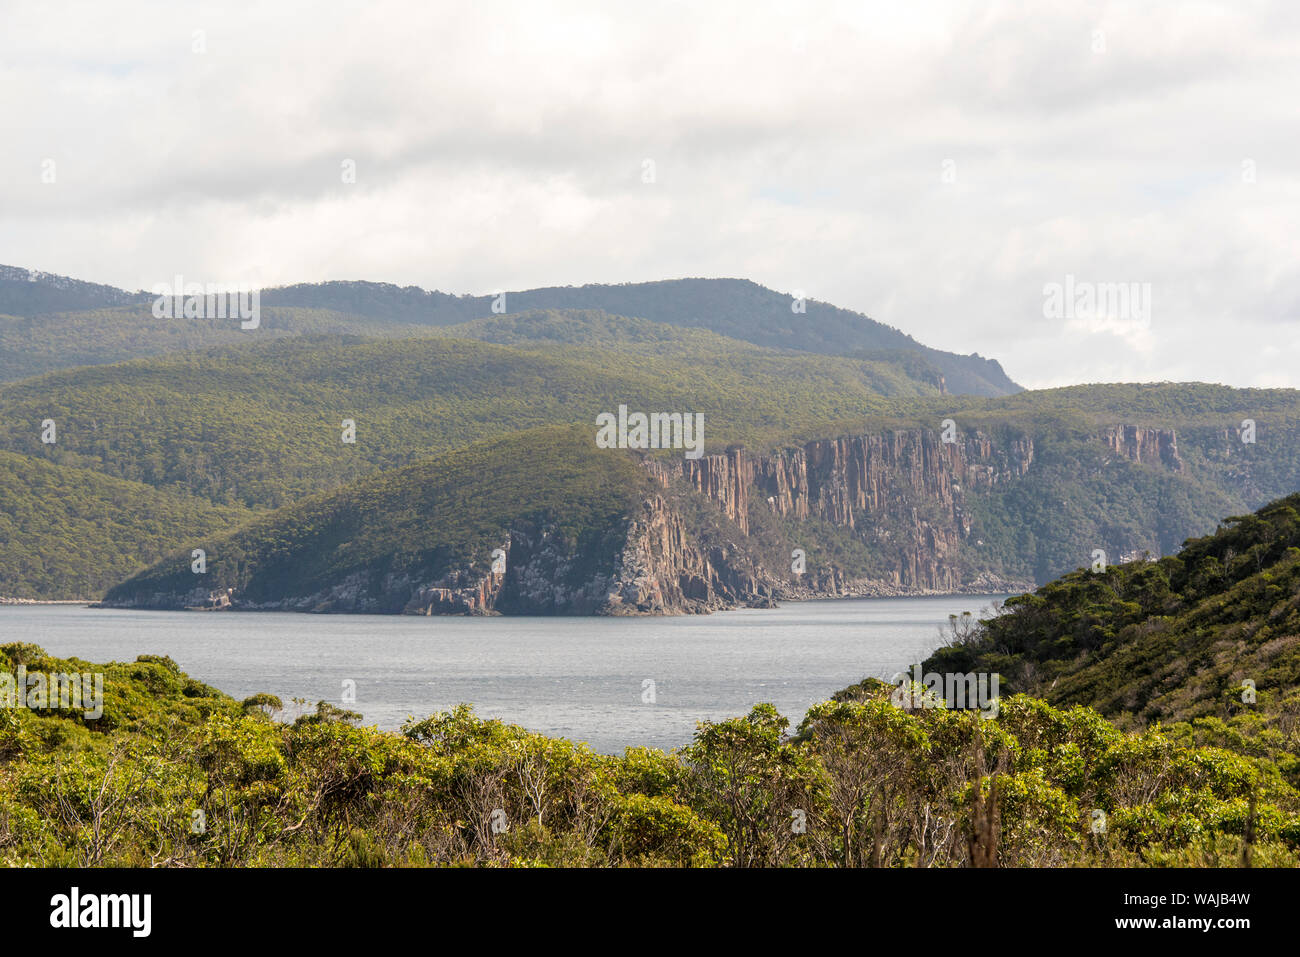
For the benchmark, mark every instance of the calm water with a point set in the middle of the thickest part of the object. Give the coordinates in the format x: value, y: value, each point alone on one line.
x: 582, y: 678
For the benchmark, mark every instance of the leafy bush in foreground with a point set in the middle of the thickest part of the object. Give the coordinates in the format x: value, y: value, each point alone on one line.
x: 181, y: 775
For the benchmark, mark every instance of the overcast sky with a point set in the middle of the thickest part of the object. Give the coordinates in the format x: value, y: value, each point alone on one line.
x: 935, y: 166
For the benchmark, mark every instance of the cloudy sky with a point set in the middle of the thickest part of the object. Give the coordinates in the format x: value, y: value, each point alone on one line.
x: 934, y: 165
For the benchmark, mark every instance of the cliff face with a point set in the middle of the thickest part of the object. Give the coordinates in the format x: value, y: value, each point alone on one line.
x: 1144, y: 445
x: 653, y: 564
x: 664, y: 567
x: 900, y: 491
x: 459, y: 593
x: 830, y: 478
x: 885, y: 514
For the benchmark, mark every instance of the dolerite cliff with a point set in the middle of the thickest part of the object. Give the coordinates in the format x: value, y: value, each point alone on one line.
x: 901, y: 493
x: 882, y: 513
x: 650, y: 563
x: 658, y: 568
x: 1144, y: 445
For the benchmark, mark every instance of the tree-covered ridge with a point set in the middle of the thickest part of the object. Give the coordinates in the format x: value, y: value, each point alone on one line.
x: 175, y: 773
x: 25, y: 292
x: 1209, y: 636
x: 71, y: 533
x: 736, y: 308
x: 1154, y: 403
x: 261, y: 424
x: 420, y: 522
x: 121, y: 323
x: 32, y: 345
x: 258, y: 424
x: 594, y: 336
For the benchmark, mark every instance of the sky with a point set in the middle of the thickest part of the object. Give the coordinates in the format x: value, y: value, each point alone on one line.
x: 986, y: 177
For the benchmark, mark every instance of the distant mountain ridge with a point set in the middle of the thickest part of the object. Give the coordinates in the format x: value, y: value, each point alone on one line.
x: 736, y: 308
x: 27, y: 292
x: 865, y: 463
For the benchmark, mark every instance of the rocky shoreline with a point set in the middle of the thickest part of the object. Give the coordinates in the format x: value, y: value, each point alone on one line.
x: 454, y: 604
x: 715, y: 533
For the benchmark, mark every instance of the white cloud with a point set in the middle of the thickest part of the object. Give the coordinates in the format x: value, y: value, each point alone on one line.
x: 500, y: 145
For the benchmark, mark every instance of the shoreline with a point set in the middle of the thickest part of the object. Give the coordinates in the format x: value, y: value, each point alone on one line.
x: 4, y: 600
x: 983, y: 591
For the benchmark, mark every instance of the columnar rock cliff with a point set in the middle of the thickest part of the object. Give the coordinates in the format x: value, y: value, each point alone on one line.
x: 665, y: 567
x: 653, y: 564
x: 873, y: 514
x: 1144, y: 445
x: 903, y: 491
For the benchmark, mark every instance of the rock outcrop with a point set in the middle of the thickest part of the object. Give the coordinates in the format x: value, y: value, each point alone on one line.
x: 653, y: 564
x: 886, y: 513
x: 902, y: 491
x: 1140, y: 444
x: 663, y: 567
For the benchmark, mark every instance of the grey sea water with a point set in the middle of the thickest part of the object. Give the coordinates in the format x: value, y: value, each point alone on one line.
x: 582, y: 678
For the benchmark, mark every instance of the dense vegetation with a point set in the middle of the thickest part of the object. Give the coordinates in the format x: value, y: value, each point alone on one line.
x: 34, y: 345
x: 1079, y: 496
x: 175, y: 773
x: 260, y: 424
x: 1208, y: 638
x: 256, y: 424
x: 71, y: 533
x: 423, y: 521
x: 737, y: 309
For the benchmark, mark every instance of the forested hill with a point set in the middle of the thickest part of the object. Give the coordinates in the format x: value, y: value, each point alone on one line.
x: 1210, y: 633
x: 260, y: 424
x: 46, y: 321
x: 736, y: 308
x: 25, y: 292
x: 1033, y: 483
x: 429, y: 538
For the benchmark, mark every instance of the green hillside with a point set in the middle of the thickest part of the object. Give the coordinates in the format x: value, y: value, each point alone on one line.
x: 422, y: 522
x: 261, y: 424
x: 70, y: 533
x: 34, y: 345
x: 258, y: 425
x: 1171, y: 640
x: 735, y: 308
x: 594, y: 336
x: 50, y: 322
